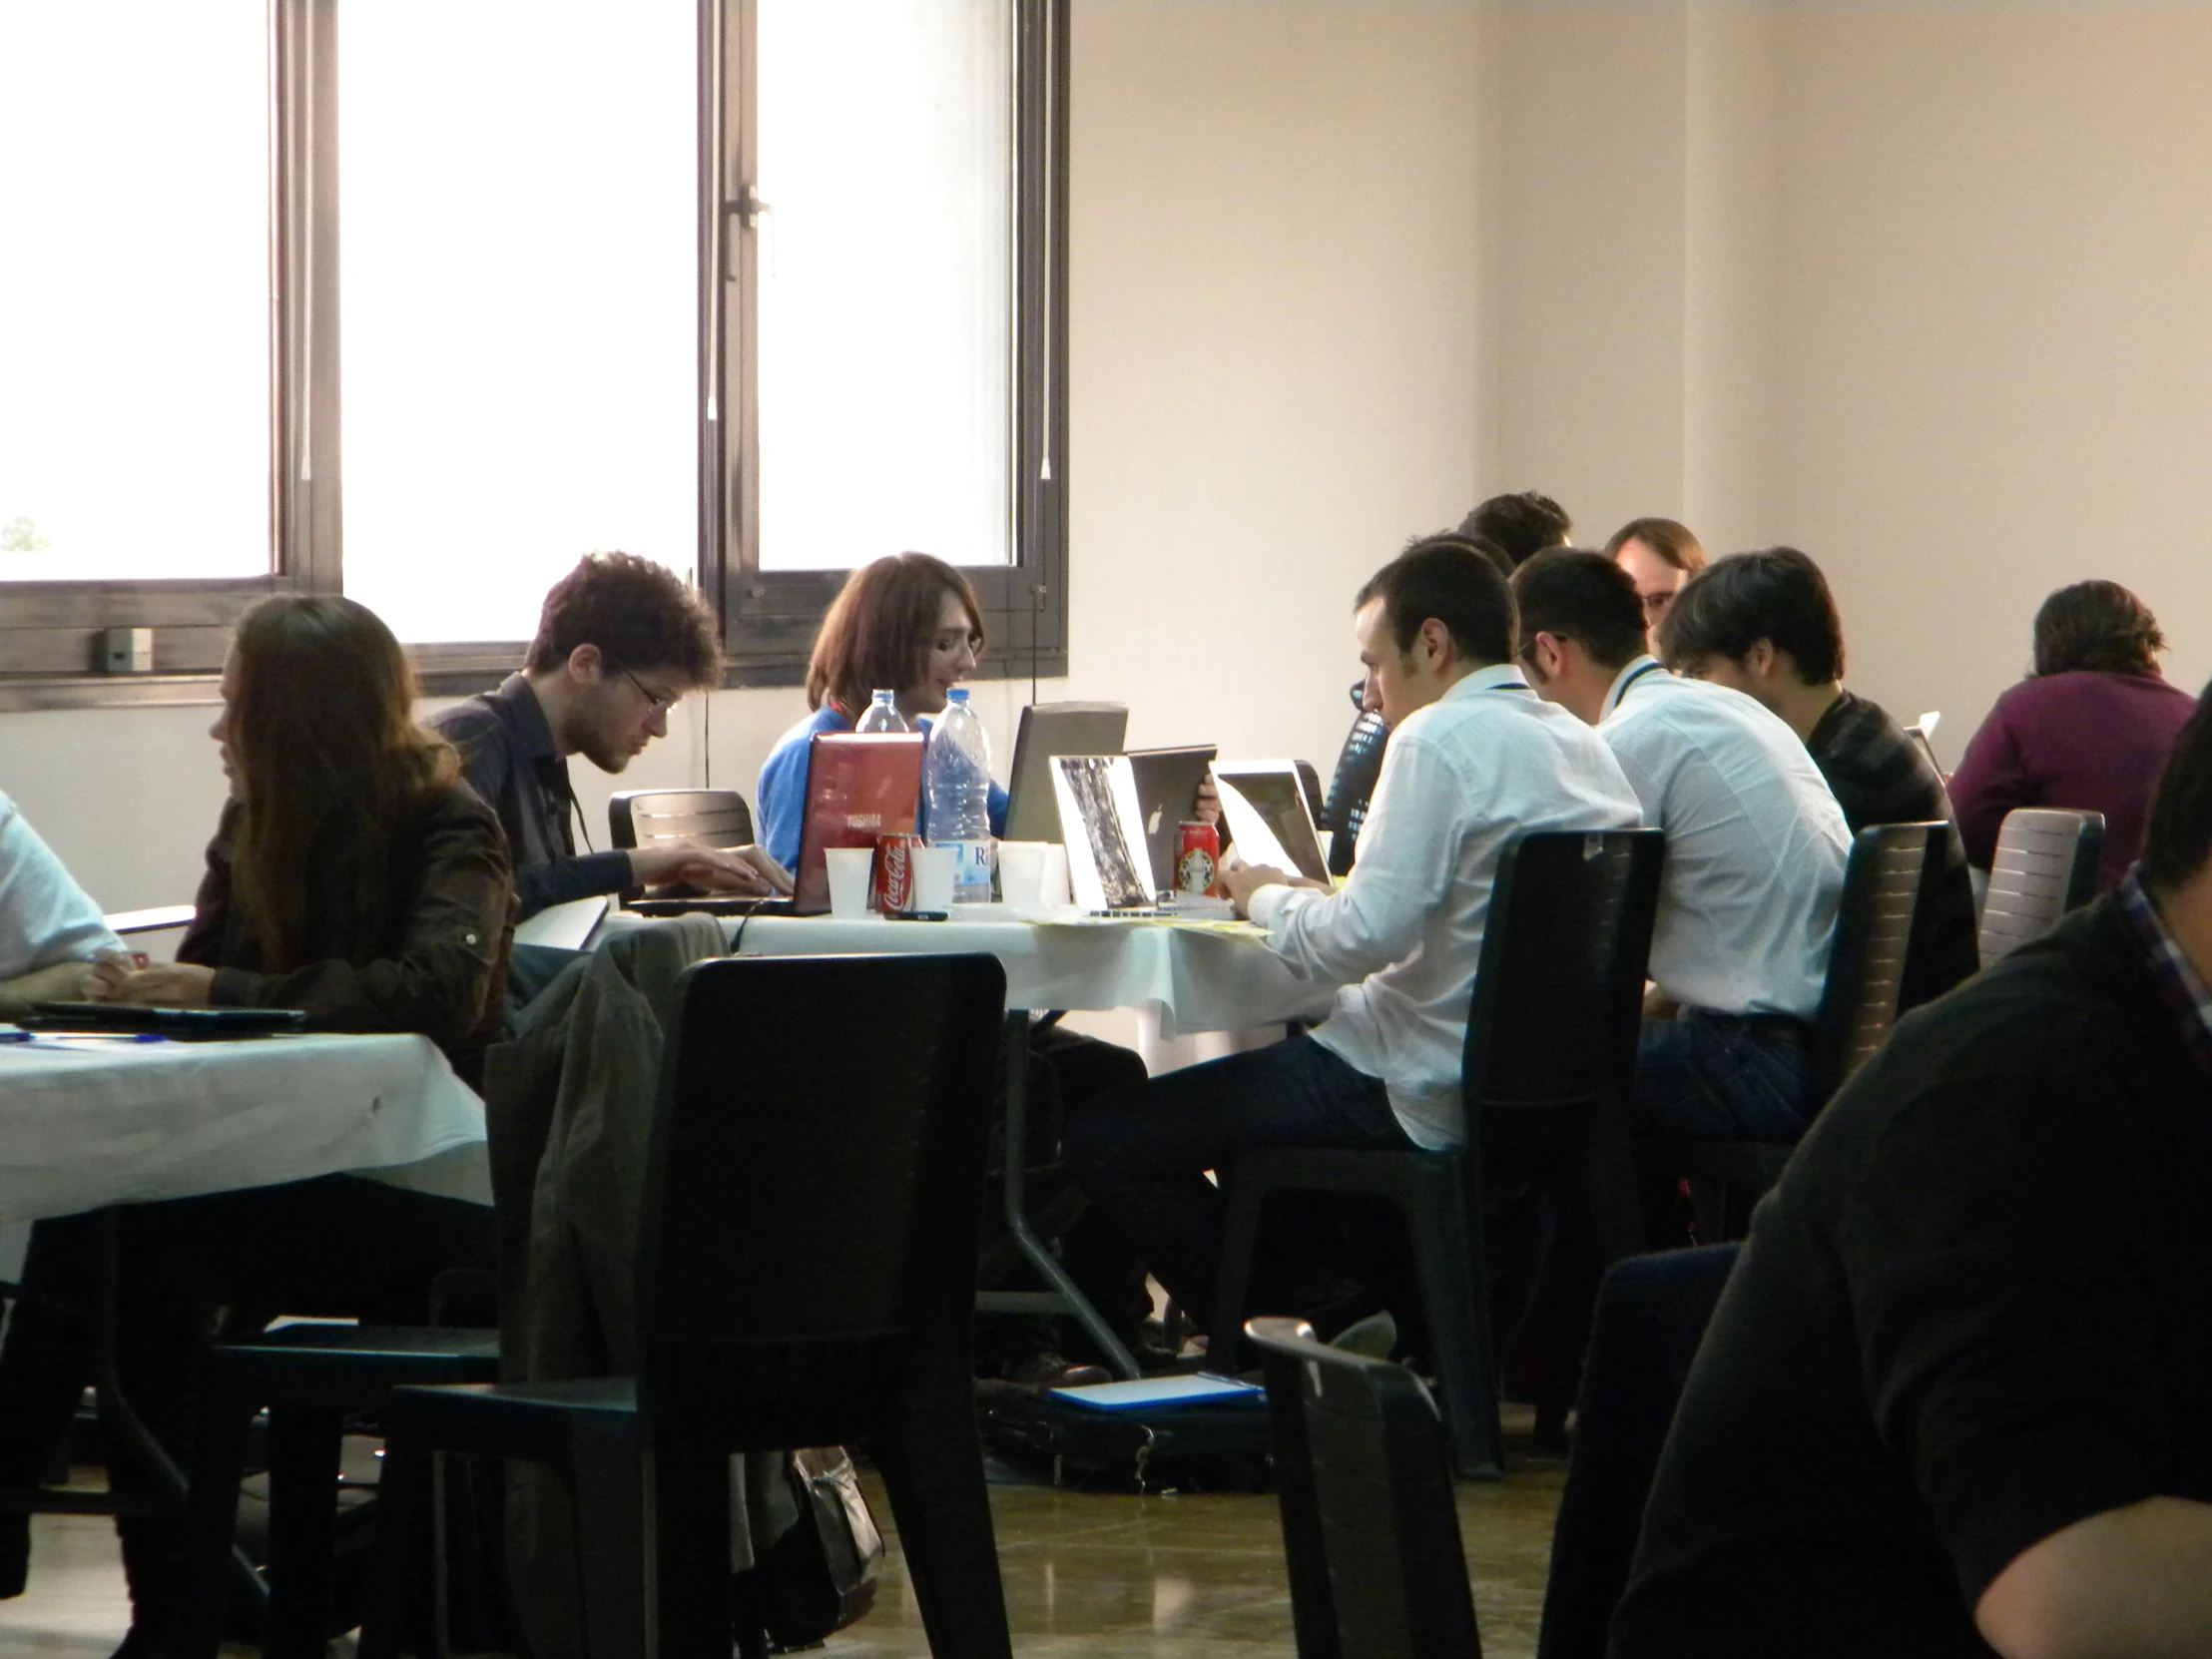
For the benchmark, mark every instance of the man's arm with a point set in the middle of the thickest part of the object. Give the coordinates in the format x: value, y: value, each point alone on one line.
x: 63, y: 982
x: 2125, y: 1583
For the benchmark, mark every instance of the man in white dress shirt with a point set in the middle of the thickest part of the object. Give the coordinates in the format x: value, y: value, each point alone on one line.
x: 50, y: 930
x: 1474, y: 756
x: 1756, y: 846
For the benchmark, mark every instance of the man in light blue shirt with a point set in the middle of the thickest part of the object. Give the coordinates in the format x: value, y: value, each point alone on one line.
x: 1756, y: 846
x: 1474, y: 758
x: 50, y: 929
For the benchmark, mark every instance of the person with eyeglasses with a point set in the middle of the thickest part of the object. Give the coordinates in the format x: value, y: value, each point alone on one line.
x: 620, y: 641
x: 1659, y: 556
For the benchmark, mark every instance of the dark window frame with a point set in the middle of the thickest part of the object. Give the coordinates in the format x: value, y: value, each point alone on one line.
x: 51, y: 633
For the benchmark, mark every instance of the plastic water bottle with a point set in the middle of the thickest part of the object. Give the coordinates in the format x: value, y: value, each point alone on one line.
x: 956, y: 789
x: 882, y: 716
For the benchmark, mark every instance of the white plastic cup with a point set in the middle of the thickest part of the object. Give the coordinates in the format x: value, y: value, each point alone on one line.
x: 1055, y: 891
x: 1021, y: 873
x: 934, y: 870
x: 849, y: 869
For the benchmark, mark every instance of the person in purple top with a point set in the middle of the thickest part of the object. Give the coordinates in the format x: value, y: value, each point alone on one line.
x: 2089, y: 729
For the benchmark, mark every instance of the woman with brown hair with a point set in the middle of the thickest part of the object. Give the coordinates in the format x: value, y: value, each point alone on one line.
x: 354, y: 876
x: 2089, y: 729
x: 908, y: 624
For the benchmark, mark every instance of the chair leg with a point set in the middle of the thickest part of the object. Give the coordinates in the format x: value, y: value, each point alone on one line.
x: 690, y: 1544
x: 402, y: 1489
x: 302, y: 1518
x: 607, y: 1497
x: 1239, y: 1252
x: 210, y: 1519
x: 1448, y: 1246
x: 932, y: 1467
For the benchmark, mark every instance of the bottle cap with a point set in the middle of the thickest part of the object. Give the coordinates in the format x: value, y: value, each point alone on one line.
x: 884, y: 696
x: 959, y: 693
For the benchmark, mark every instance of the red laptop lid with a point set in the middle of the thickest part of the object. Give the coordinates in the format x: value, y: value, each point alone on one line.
x: 857, y: 788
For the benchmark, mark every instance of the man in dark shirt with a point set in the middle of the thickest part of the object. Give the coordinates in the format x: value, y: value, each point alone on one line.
x: 619, y: 642
x: 1765, y: 624
x: 1957, y: 1395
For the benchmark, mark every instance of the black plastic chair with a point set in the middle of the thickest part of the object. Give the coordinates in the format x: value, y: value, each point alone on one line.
x: 1358, y: 764
x: 309, y: 1379
x: 1550, y: 1060
x: 1652, y: 1312
x: 1882, y: 884
x: 1363, y: 1478
x: 711, y: 818
x: 2046, y: 864
x: 806, y: 1277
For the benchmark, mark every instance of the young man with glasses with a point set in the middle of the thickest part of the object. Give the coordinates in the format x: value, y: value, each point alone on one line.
x: 620, y: 641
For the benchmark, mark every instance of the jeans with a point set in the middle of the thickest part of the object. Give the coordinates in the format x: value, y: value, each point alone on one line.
x: 1727, y: 1077
x: 1142, y: 1157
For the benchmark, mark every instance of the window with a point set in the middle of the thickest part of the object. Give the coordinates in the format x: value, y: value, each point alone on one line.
x: 423, y: 325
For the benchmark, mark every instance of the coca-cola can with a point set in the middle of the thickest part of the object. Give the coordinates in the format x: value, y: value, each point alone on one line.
x: 894, y: 872
x: 1197, y: 858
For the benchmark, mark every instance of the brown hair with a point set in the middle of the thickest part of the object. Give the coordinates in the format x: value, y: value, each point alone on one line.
x: 2099, y: 627
x: 1671, y: 541
x: 640, y: 614
x: 878, y: 633
x: 332, y: 766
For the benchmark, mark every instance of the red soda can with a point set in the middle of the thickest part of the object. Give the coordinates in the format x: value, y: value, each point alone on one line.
x: 894, y: 872
x: 1197, y: 858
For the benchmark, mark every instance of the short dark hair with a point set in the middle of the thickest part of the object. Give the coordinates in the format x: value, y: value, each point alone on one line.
x: 638, y: 612
x: 2099, y: 627
x: 1673, y: 542
x: 2177, y: 834
x: 1521, y: 525
x: 1778, y: 595
x: 1446, y: 579
x: 1465, y: 538
x: 1581, y: 596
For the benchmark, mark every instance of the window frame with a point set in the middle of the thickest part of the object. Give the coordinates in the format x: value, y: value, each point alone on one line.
x: 51, y: 633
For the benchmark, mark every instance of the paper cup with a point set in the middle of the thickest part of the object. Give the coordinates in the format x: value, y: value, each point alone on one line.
x: 1021, y: 873
x: 848, y: 879
x: 934, y: 869
x: 1056, y: 877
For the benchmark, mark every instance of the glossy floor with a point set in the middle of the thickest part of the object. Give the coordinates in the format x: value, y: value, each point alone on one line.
x: 1104, y: 1575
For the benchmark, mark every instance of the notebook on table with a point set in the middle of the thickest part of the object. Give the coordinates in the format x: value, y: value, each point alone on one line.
x: 1265, y: 804
x: 1048, y: 730
x: 181, y: 1024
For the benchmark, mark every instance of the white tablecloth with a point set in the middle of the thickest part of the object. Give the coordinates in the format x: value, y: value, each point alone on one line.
x: 96, y: 1123
x: 1199, y: 980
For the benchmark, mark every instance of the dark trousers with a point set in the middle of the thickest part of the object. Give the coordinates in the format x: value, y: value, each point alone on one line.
x: 1729, y: 1077
x: 1142, y: 1157
x: 341, y: 1246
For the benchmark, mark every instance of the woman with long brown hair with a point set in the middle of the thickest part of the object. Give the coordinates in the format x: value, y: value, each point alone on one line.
x: 354, y: 876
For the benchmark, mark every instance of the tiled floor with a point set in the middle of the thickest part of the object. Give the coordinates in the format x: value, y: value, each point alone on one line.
x: 1102, y: 1576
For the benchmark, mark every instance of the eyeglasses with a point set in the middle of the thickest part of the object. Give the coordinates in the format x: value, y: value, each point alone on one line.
x: 1655, y: 604
x: 658, y: 702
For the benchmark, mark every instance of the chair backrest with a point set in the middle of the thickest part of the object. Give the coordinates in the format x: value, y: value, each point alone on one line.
x: 711, y: 818
x: 2046, y: 864
x: 1358, y: 764
x: 813, y: 1194
x: 1652, y: 1312
x: 1866, y: 963
x: 1364, y: 1484
x: 1559, y: 990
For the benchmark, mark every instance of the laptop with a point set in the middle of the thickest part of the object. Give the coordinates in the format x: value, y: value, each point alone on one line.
x: 1265, y: 804
x: 202, y: 1024
x: 1098, y: 801
x: 1048, y: 730
x: 859, y: 787
x: 1167, y: 781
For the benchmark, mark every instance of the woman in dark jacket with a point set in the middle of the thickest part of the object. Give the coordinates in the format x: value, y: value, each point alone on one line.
x: 354, y: 876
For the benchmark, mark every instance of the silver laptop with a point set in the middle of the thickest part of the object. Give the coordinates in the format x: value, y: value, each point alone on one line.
x: 1048, y: 730
x: 1167, y: 781
x: 1265, y: 804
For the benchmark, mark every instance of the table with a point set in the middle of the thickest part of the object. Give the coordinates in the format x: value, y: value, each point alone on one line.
x: 87, y: 1123
x: 1200, y: 977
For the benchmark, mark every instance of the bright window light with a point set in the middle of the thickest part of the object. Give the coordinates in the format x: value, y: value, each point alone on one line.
x: 886, y: 270
x: 518, y: 289
x: 134, y: 289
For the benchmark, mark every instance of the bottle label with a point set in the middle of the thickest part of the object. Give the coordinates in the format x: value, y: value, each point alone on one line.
x: 971, y: 880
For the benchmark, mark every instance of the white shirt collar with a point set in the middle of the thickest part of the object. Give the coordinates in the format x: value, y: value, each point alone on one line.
x: 1636, y: 669
x: 1498, y: 677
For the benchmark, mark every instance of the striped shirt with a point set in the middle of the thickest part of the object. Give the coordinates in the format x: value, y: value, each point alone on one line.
x: 2180, y: 986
